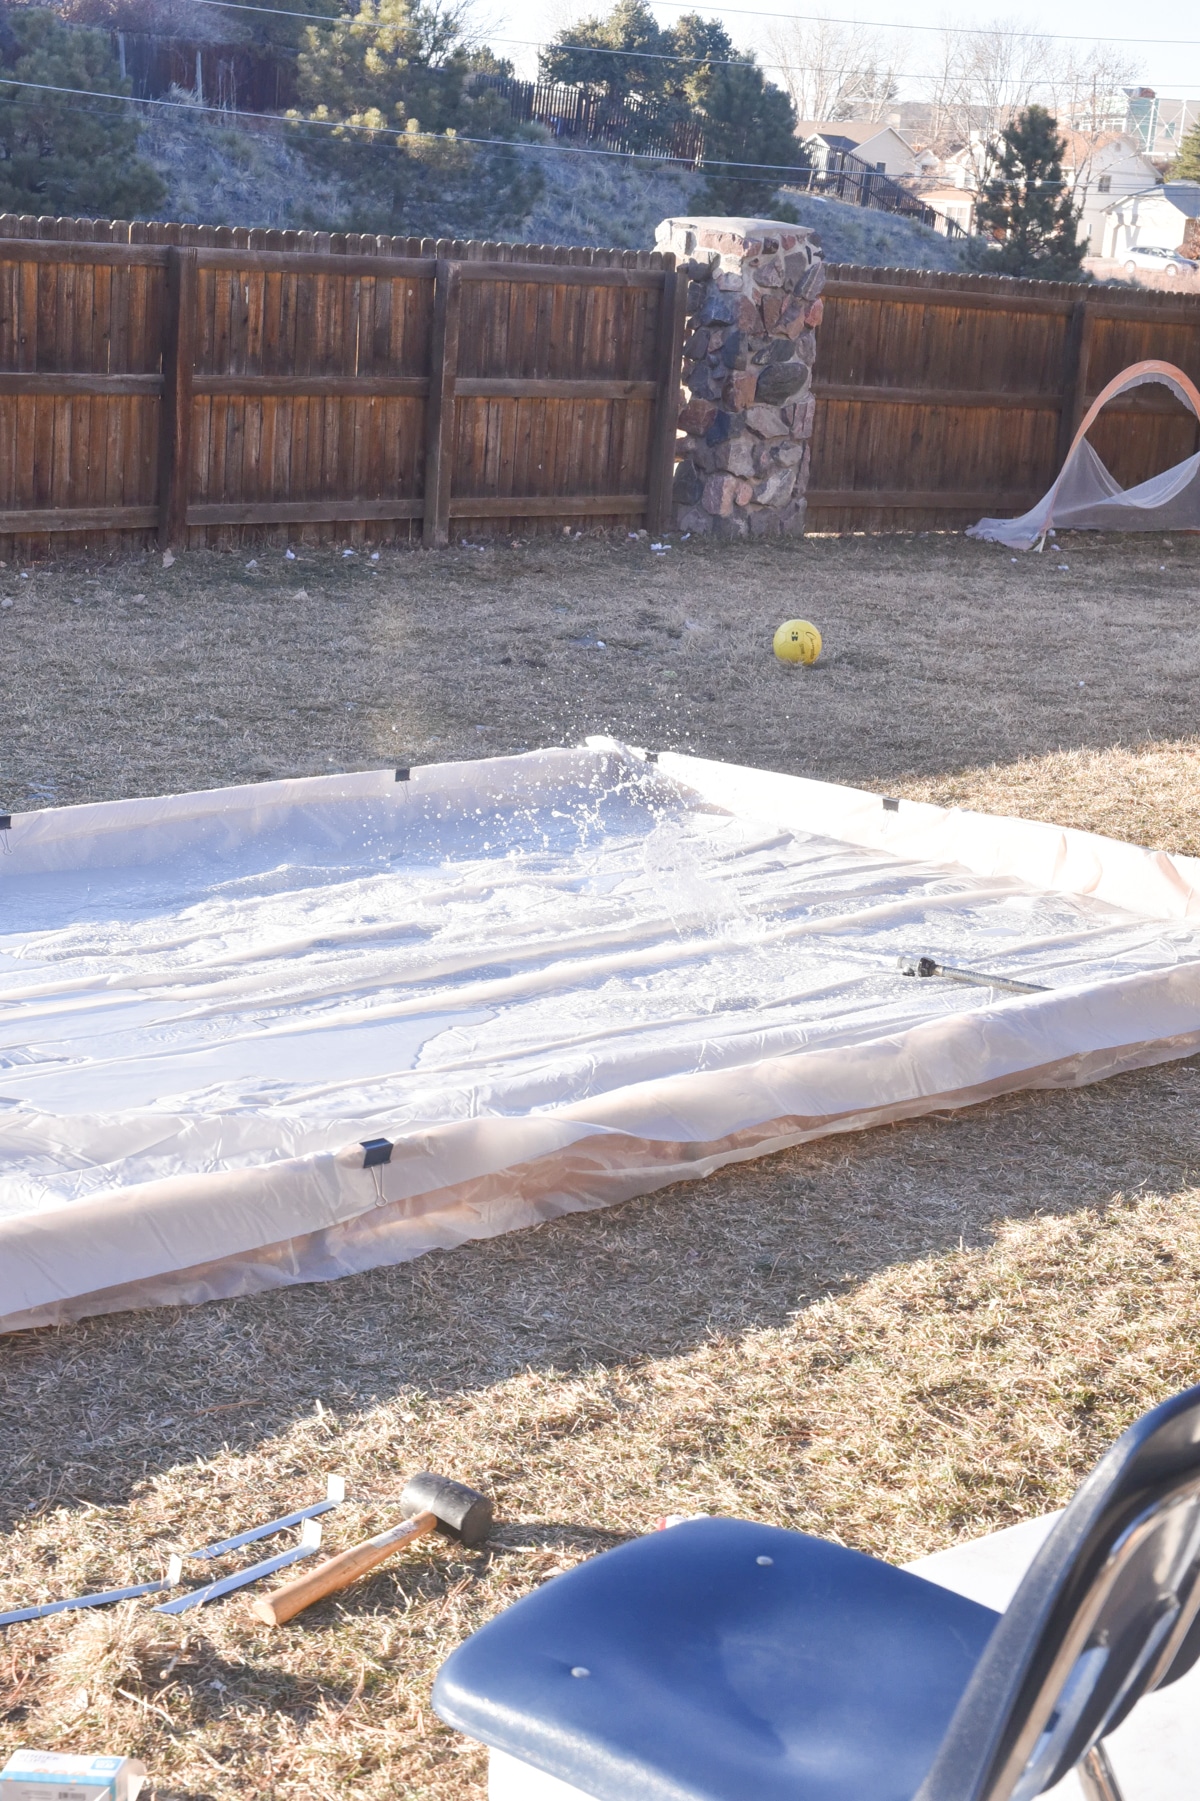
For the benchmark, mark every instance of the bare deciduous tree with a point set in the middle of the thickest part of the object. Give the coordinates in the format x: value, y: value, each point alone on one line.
x: 836, y: 71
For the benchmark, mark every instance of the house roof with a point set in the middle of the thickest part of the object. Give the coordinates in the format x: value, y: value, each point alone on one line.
x: 1185, y: 195
x: 846, y: 134
x: 1084, y: 144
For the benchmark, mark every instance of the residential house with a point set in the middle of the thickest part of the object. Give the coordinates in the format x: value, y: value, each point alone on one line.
x: 881, y: 147
x: 953, y: 203
x: 1098, y: 168
x: 1165, y: 218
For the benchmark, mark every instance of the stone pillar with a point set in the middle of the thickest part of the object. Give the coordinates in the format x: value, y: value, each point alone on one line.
x: 753, y: 308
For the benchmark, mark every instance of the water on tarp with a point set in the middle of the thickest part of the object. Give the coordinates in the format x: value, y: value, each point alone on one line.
x: 406, y: 961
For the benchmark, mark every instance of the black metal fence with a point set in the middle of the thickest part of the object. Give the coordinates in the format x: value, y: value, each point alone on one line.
x: 238, y: 77
x: 848, y: 178
x: 572, y: 112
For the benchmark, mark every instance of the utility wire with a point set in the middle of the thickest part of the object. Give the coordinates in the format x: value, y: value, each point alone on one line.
x: 750, y: 12
x: 783, y: 170
x: 384, y: 131
x: 663, y: 56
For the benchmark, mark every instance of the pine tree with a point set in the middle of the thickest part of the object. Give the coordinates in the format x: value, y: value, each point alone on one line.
x: 746, y: 120
x: 1026, y: 199
x: 1186, y: 166
x: 690, y: 70
x: 621, y: 56
x: 387, y: 99
x: 61, y: 154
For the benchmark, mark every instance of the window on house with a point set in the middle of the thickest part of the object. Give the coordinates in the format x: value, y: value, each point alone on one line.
x: 1105, y: 184
x: 881, y: 168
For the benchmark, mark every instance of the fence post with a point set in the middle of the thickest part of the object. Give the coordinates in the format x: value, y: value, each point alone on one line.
x: 175, y: 420
x: 1077, y: 356
x: 439, y: 419
x: 672, y: 311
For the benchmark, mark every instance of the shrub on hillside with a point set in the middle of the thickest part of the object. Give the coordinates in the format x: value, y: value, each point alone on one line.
x: 60, y: 153
x: 388, y: 110
x: 687, y: 71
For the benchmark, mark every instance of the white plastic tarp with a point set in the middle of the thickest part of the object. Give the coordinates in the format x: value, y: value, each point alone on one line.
x: 1085, y: 496
x: 549, y: 982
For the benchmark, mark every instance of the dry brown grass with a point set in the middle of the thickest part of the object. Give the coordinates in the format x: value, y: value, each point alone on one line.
x: 899, y: 1339
x: 942, y: 656
x: 1147, y: 795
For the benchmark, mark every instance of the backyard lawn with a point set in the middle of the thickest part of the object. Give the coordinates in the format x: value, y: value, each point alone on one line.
x: 900, y: 1338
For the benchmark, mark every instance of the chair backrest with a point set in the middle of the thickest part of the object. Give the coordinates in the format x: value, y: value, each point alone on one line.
x: 1108, y: 1610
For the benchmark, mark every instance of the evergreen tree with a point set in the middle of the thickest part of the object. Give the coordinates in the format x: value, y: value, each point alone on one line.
x: 619, y: 57
x: 745, y: 118
x: 1186, y: 166
x: 690, y: 70
x: 387, y: 96
x: 60, y: 154
x: 1027, y: 200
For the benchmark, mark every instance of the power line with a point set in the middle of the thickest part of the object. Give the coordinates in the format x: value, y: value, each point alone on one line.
x: 663, y: 56
x: 783, y: 170
x: 1075, y: 37
x: 376, y: 131
x: 752, y: 12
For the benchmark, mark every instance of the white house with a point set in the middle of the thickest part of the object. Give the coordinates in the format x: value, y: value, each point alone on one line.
x: 879, y: 146
x: 954, y: 203
x: 1165, y: 218
x: 1100, y: 170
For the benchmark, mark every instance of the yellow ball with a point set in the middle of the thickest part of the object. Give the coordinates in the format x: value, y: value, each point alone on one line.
x: 797, y: 641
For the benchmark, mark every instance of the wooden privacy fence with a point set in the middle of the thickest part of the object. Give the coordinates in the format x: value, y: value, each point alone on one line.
x: 196, y: 382
x: 941, y: 398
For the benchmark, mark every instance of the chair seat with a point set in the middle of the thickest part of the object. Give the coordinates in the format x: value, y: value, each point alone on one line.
x: 722, y: 1661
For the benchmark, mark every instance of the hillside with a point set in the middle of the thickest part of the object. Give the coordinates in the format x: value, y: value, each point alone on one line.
x: 220, y: 173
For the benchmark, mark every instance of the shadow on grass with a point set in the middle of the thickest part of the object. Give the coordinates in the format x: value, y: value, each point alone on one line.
x: 89, y: 1412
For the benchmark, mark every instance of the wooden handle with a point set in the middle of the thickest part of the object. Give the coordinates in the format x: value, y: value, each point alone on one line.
x: 340, y: 1571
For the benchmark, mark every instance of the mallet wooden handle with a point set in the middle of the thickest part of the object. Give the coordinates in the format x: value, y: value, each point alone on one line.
x: 340, y: 1571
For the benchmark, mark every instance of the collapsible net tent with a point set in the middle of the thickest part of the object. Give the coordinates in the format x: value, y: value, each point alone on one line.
x: 287, y: 1031
x: 1086, y: 498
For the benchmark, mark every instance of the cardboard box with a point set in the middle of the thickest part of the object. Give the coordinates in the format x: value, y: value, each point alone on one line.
x: 48, y: 1776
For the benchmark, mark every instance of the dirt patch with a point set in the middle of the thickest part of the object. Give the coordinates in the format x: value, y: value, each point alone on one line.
x: 899, y: 1338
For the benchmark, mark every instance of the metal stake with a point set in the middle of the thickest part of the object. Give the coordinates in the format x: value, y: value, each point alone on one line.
x: 171, y: 1579
x: 310, y: 1540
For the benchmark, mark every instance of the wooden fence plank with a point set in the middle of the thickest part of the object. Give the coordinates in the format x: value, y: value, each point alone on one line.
x: 671, y: 316
x: 175, y: 433
x: 64, y: 384
x: 439, y: 426
x: 78, y: 519
x: 299, y: 512
x: 543, y: 506
x: 926, y: 500
x: 1034, y: 402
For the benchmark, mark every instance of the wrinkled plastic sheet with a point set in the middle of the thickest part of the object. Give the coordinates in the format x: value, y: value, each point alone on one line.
x: 549, y: 982
x: 1086, y: 497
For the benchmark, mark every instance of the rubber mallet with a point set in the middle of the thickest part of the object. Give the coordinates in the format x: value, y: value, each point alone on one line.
x: 431, y: 1504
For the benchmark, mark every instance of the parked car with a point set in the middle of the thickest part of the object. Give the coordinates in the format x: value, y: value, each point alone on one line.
x: 1150, y: 256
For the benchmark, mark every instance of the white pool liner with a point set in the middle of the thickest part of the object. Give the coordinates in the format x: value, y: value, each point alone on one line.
x: 551, y: 982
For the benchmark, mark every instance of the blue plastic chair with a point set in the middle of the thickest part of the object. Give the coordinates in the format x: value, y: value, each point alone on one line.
x: 725, y: 1661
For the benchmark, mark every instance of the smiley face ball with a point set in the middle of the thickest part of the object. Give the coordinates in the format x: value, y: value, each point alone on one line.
x: 797, y: 641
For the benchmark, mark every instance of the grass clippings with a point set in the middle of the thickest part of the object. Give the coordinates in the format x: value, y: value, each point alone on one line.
x: 899, y: 1339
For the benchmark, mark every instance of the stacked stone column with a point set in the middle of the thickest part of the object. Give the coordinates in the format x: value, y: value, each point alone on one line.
x: 754, y: 303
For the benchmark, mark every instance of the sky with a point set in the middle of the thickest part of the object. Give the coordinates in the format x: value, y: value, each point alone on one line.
x: 1171, y: 67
